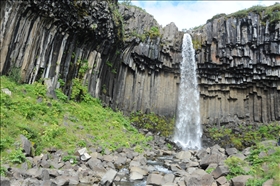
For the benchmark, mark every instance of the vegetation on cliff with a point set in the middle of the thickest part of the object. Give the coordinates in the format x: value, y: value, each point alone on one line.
x: 270, y: 13
x: 60, y: 123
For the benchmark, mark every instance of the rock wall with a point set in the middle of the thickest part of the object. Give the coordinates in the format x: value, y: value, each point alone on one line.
x: 149, y: 75
x: 132, y: 63
x: 239, y: 70
x: 53, y: 39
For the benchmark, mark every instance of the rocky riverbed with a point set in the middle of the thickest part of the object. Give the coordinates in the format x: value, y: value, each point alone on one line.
x: 158, y: 166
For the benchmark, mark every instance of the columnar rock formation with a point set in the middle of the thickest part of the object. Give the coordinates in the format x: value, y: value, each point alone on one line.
x: 239, y: 70
x: 130, y: 62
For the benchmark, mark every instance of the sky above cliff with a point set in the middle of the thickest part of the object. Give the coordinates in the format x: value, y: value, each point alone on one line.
x: 188, y: 14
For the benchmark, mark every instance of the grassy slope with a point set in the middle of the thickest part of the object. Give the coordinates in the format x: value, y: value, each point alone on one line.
x: 63, y: 124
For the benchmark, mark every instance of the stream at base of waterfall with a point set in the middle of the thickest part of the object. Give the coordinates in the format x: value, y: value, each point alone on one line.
x: 188, y: 129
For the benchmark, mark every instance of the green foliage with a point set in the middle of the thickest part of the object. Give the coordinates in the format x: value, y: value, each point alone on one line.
x: 153, y: 32
x: 235, y: 167
x: 210, y: 170
x: 55, y: 123
x: 271, y: 13
x: 109, y: 64
x: 3, y: 171
x: 217, y: 16
x: 83, y: 67
x: 17, y: 156
x: 153, y: 122
x: 142, y: 37
x: 169, y: 146
x: 69, y: 157
x: 79, y: 92
x: 247, y: 136
x: 271, y: 161
x: 126, y: 2
x: 14, y: 74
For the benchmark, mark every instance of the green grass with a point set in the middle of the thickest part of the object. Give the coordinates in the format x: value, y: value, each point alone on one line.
x: 261, y: 168
x: 153, y: 123
x: 62, y: 123
x: 247, y: 136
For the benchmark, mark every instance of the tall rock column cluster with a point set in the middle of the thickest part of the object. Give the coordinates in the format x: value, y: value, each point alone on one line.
x: 54, y: 39
x: 148, y: 78
x: 239, y: 70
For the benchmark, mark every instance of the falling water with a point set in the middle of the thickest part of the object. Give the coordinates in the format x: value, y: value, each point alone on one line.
x: 188, y: 131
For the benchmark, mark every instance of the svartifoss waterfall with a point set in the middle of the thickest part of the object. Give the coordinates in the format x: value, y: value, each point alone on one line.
x: 188, y: 130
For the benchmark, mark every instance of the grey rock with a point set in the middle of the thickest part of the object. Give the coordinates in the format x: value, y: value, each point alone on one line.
x: 268, y: 143
x: 154, y: 179
x: 212, y: 158
x: 5, y: 181
x: 26, y: 145
x: 183, y: 155
x: 135, y: 176
x: 167, y: 179
x: 222, y: 180
x: 108, y: 178
x: 268, y: 183
x: 220, y: 171
x: 231, y: 151
x: 139, y: 170
x: 240, y: 180
x: 7, y: 91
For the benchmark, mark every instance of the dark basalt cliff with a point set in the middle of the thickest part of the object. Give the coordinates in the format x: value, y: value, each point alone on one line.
x: 131, y: 63
x: 239, y: 70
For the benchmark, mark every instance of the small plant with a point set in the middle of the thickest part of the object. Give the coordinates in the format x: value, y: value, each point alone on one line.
x: 235, y: 166
x: 17, y: 156
x: 3, y: 171
x: 210, y: 170
x: 169, y: 146
x: 82, y: 143
x: 109, y: 64
x: 70, y: 157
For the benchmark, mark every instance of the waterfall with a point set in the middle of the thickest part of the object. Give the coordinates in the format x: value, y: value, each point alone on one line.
x: 188, y: 130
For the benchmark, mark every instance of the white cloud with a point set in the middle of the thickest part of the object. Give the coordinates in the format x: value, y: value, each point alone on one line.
x: 188, y: 14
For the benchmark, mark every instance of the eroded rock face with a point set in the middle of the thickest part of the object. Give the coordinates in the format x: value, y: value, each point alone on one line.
x: 239, y: 70
x: 138, y: 70
x: 149, y: 75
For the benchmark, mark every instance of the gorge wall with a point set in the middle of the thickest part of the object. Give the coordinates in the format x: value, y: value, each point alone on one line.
x: 131, y: 63
x: 239, y: 70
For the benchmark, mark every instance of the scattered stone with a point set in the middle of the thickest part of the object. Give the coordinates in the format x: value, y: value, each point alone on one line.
x: 7, y: 91
x: 108, y: 178
x: 220, y: 171
x: 4, y: 181
x: 154, y: 179
x: 136, y: 176
x: 240, y: 180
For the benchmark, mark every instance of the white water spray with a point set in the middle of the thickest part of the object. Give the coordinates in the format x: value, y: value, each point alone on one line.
x: 188, y: 130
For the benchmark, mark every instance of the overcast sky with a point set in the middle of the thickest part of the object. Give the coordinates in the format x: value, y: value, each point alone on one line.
x: 188, y: 14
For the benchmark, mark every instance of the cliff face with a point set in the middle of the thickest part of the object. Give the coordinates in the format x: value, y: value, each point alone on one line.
x: 131, y: 63
x: 149, y: 75
x: 62, y: 41
x: 239, y: 70
x: 52, y: 39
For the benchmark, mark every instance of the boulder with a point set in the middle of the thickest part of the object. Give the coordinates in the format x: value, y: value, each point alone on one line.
x: 108, y: 178
x: 135, y: 176
x: 26, y: 145
x: 240, y: 180
x: 220, y: 171
x: 211, y: 158
x: 5, y: 181
x: 184, y: 155
x: 154, y: 179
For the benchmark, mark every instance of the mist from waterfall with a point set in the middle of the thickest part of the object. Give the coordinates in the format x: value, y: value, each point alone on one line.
x: 188, y: 130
